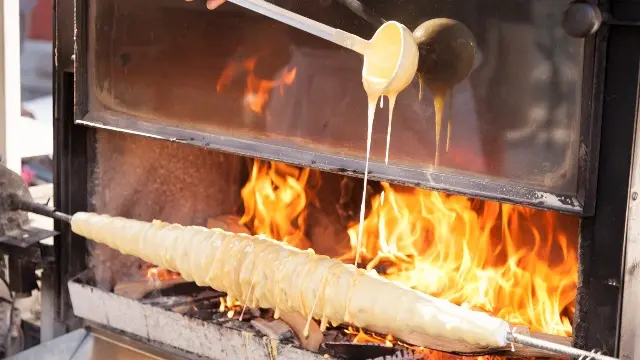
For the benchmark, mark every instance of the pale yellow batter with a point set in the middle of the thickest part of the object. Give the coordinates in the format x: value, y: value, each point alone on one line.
x: 270, y: 274
x: 390, y: 63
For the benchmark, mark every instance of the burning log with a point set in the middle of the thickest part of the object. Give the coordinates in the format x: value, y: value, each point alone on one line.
x: 265, y: 273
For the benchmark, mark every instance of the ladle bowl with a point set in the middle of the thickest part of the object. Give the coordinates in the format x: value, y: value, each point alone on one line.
x: 447, y: 53
x: 391, y: 56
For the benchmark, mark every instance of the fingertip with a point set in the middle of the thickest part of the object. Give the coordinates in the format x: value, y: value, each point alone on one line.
x: 213, y: 4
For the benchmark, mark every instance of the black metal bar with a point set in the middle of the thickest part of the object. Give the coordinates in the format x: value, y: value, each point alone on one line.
x: 602, y: 235
x: 72, y: 150
x: 36, y: 208
x: 451, y: 183
x: 595, y: 48
x: 71, y: 183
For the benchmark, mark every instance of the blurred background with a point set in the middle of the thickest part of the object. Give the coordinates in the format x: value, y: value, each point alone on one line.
x: 37, y: 99
x: 20, y: 326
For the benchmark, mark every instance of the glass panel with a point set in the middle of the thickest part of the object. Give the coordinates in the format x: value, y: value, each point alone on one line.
x: 236, y: 73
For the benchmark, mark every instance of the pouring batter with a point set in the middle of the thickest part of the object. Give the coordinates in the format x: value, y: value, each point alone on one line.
x: 390, y: 64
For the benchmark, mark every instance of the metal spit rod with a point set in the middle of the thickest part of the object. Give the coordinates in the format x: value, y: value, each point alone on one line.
x: 556, y: 348
x: 45, y: 210
x: 18, y: 203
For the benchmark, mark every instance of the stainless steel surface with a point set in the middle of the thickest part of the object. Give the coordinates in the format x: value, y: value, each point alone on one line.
x: 556, y: 348
x: 209, y: 339
x: 629, y: 347
x: 336, y: 36
x: 96, y: 344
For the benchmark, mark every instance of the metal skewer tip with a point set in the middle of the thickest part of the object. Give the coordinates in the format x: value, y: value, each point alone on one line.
x: 551, y: 347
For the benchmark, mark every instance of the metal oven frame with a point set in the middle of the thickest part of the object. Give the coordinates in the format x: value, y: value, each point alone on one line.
x: 610, y: 112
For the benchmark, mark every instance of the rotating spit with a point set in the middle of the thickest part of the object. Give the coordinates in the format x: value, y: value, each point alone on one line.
x: 16, y: 232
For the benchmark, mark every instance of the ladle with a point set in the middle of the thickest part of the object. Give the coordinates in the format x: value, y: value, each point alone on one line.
x: 405, y: 63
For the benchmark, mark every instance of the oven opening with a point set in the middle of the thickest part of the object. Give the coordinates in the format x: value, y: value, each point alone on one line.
x: 510, y: 261
x: 516, y: 263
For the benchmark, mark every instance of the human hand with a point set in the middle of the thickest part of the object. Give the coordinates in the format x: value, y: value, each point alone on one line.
x: 213, y: 4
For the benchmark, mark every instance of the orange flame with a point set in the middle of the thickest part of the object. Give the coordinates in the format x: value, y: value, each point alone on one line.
x: 510, y: 261
x: 257, y: 90
x: 156, y: 273
x: 276, y: 199
x: 229, y: 306
x: 481, y: 254
x: 358, y: 336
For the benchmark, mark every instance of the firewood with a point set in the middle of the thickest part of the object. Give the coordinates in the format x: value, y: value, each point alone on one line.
x: 138, y: 289
x: 297, y: 323
x: 276, y: 329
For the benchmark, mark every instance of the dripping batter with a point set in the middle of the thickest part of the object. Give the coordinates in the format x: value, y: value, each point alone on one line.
x: 447, y: 53
x: 382, y: 75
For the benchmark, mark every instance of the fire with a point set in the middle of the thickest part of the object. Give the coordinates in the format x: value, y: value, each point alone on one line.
x: 229, y: 306
x: 361, y: 337
x: 510, y: 261
x: 257, y: 90
x: 156, y: 273
x: 276, y: 199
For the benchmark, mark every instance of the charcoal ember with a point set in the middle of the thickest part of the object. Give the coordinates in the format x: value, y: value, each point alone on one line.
x: 335, y: 335
x: 353, y: 351
x: 209, y: 304
x: 203, y: 314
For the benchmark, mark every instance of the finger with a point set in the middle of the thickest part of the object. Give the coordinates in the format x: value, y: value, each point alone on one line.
x: 213, y: 4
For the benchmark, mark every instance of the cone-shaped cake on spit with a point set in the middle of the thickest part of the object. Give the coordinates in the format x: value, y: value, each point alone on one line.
x: 261, y: 272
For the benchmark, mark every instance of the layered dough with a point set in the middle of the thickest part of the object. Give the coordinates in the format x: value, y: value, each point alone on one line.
x: 261, y: 272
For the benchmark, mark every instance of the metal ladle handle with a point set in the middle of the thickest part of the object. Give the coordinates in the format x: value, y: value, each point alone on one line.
x: 334, y: 35
x: 555, y: 348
